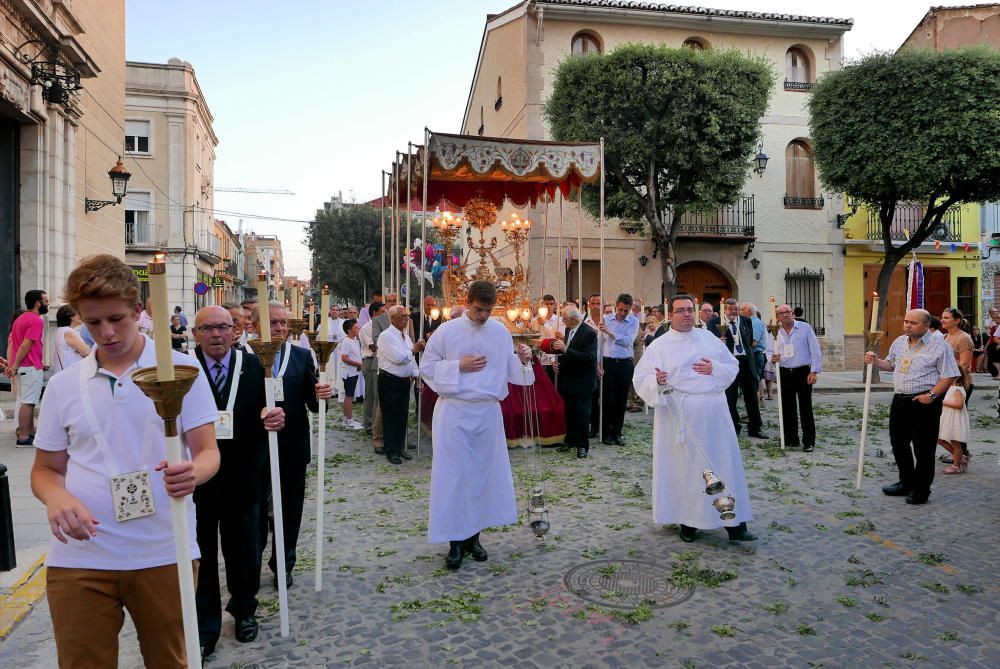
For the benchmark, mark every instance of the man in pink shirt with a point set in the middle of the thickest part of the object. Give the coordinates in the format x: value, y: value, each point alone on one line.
x: 26, y: 339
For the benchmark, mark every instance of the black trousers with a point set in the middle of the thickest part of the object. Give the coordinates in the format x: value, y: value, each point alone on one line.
x: 617, y: 380
x: 577, y: 407
x: 241, y: 552
x: 293, y: 493
x: 595, y: 411
x: 394, y: 399
x: 744, y: 382
x: 795, y: 389
x: 911, y: 422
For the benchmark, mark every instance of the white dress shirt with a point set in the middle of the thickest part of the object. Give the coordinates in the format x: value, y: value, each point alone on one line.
x: 365, y: 337
x: 395, y: 353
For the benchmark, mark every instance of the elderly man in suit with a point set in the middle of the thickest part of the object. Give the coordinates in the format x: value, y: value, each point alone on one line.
x: 297, y: 392
x: 229, y: 504
x: 740, y: 341
x: 576, y: 368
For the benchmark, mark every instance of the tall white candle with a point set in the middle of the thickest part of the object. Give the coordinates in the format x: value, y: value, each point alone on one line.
x: 263, y: 309
x: 874, y: 324
x: 324, y: 317
x: 774, y: 316
x: 157, y: 269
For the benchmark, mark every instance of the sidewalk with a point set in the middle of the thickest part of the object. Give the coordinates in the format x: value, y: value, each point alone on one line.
x: 853, y: 382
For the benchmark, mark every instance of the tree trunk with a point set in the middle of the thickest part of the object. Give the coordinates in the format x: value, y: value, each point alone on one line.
x: 668, y: 257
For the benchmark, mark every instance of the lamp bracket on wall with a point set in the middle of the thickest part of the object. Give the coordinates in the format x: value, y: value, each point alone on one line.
x: 56, y: 78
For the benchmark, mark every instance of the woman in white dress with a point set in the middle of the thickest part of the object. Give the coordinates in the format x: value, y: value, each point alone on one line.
x: 69, y: 345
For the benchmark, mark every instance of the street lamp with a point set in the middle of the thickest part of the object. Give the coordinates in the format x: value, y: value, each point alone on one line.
x: 760, y: 162
x: 119, y: 187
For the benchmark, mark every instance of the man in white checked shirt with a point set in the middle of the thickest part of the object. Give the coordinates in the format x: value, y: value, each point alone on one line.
x: 923, y: 367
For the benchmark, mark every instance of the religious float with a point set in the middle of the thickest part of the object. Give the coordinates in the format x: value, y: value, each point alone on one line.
x: 466, y: 182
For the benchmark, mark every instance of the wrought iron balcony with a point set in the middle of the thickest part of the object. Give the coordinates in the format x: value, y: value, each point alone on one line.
x: 209, y: 247
x: 908, y: 217
x: 803, y: 202
x: 991, y: 218
x: 798, y: 85
x: 140, y: 235
x: 734, y: 221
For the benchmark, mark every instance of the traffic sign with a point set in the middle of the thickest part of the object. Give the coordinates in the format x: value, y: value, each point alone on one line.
x: 200, y: 288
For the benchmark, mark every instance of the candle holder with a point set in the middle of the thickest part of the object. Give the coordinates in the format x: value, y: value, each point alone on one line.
x: 872, y: 338
x: 323, y: 349
x: 311, y: 336
x: 724, y: 327
x: 167, y: 396
x: 538, y: 514
x: 725, y: 505
x: 296, y: 326
x: 267, y: 351
x: 713, y: 484
x: 772, y: 329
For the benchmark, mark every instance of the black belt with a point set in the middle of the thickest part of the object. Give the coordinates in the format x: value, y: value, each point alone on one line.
x: 909, y: 396
x: 618, y: 359
x: 792, y: 369
x: 383, y: 373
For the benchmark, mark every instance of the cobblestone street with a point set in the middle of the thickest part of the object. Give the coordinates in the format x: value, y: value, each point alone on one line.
x: 838, y: 577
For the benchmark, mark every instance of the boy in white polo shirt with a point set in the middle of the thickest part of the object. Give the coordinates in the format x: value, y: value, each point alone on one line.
x: 95, y: 425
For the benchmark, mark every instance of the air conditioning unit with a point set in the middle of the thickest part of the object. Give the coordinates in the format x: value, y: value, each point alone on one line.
x: 941, y: 232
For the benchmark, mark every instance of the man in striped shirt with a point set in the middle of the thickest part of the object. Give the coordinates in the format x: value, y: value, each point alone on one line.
x: 923, y: 367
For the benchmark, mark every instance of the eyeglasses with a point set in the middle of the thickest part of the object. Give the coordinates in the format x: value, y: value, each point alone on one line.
x: 209, y: 328
x: 782, y: 313
x: 688, y: 310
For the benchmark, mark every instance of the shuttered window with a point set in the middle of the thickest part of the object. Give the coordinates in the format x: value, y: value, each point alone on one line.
x: 800, y: 173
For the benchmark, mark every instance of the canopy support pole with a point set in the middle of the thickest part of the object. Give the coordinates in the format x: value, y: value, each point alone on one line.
x: 382, y: 246
x: 562, y: 258
x: 601, y: 314
x: 409, y: 219
x: 423, y: 236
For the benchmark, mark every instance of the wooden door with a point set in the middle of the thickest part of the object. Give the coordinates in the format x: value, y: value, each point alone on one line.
x: 703, y: 281
x: 895, y: 304
x: 937, y: 289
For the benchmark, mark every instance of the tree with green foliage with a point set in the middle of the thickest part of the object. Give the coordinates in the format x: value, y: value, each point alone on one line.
x: 916, y: 126
x: 679, y: 125
x: 346, y: 251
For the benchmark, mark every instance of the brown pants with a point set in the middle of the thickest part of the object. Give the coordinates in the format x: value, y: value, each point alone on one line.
x: 86, y: 608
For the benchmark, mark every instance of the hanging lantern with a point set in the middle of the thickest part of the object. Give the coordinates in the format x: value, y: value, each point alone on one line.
x: 435, y: 314
x: 525, y: 314
x: 446, y: 312
x: 512, y: 314
x: 538, y: 514
x: 543, y: 311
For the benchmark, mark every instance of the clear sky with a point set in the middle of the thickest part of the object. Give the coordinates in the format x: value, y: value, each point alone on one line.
x: 315, y: 96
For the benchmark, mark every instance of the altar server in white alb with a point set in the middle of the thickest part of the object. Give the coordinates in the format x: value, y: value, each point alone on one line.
x: 468, y: 362
x: 684, y: 375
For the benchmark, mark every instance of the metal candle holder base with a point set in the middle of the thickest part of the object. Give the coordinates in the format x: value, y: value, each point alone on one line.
x: 872, y: 339
x: 296, y: 326
x: 167, y: 396
x: 772, y: 329
x: 323, y: 350
x: 267, y: 352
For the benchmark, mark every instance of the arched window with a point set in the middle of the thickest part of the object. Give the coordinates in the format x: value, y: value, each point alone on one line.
x: 798, y: 70
x: 585, y: 43
x: 696, y: 43
x: 499, y: 101
x: 800, y: 177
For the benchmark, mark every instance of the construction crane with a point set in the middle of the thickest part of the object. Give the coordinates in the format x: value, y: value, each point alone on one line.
x: 254, y: 191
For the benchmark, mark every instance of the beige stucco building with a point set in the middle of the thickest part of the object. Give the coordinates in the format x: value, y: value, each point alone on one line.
x: 169, y: 138
x: 55, y: 155
x: 781, y: 239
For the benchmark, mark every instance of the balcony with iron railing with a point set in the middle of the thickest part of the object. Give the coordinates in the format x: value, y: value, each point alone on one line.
x: 908, y: 217
x: 793, y: 202
x: 209, y: 247
x: 140, y: 235
x: 733, y: 222
x: 991, y: 219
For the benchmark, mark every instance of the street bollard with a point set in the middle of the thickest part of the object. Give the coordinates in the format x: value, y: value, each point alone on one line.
x: 7, y: 558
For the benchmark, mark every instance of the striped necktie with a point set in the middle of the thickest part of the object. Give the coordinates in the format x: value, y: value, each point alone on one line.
x: 220, y: 377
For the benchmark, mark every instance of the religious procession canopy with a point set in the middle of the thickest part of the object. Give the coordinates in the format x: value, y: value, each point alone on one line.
x: 462, y: 167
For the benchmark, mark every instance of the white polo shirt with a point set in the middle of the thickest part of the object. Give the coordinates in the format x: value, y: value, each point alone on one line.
x: 124, y: 414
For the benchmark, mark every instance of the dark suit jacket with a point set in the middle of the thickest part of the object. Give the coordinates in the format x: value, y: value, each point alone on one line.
x: 429, y: 326
x: 244, y: 457
x: 746, y: 336
x: 300, y: 395
x: 578, y: 363
x: 661, y: 330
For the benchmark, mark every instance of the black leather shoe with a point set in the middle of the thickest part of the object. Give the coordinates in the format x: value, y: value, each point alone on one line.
x: 406, y: 456
x: 454, y: 558
x: 476, y: 550
x: 246, y: 629
x: 896, y: 490
x: 757, y: 434
x: 581, y: 453
x: 395, y: 459
x: 740, y: 533
x: 379, y: 451
x: 808, y: 448
x: 619, y: 441
x: 916, y: 497
x: 688, y: 534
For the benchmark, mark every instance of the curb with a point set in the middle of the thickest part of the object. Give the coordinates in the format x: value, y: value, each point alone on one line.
x: 27, y: 590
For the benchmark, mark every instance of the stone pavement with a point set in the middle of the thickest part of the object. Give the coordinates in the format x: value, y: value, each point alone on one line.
x: 838, y: 577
